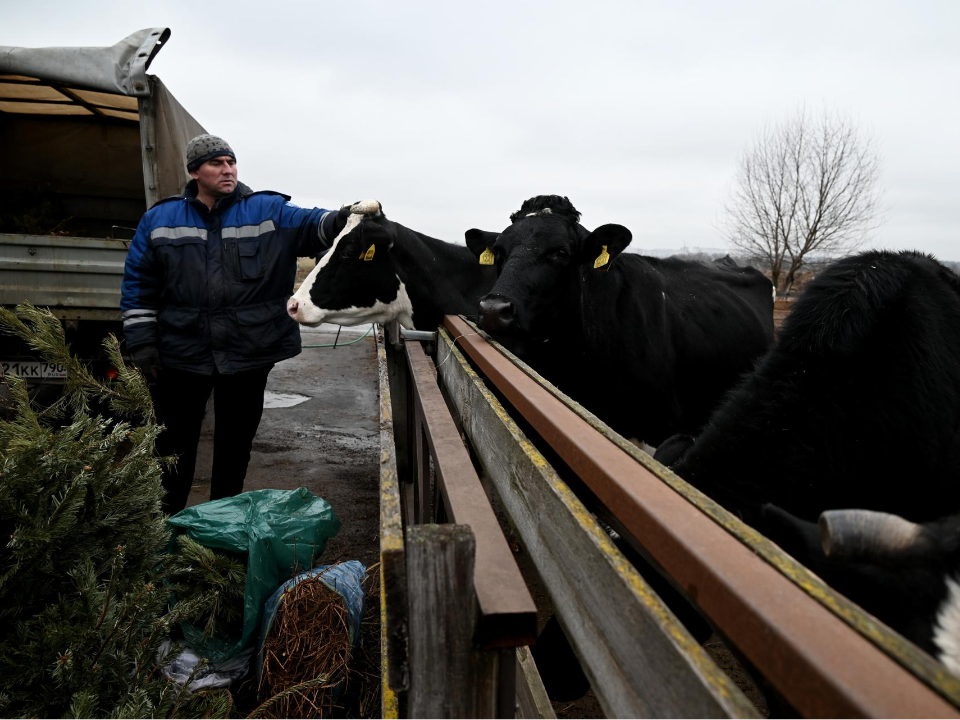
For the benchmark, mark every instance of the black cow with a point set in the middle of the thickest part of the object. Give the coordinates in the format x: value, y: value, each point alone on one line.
x: 647, y: 344
x: 379, y: 271
x: 904, y: 573
x: 857, y: 404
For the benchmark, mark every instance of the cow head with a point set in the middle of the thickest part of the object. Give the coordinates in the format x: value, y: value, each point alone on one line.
x: 905, y: 573
x: 540, y: 258
x: 355, y: 282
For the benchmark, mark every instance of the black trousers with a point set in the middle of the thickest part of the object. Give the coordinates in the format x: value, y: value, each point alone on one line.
x: 180, y: 399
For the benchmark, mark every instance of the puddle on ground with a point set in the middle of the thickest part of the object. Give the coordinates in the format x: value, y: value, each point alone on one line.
x: 282, y: 400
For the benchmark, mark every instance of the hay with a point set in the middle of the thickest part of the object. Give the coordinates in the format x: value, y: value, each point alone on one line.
x: 363, y: 700
x: 305, y: 654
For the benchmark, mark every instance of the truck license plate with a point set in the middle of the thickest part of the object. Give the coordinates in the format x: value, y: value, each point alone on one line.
x: 29, y: 369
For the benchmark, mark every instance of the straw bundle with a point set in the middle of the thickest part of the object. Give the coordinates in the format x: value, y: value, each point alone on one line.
x: 363, y: 698
x: 306, y: 653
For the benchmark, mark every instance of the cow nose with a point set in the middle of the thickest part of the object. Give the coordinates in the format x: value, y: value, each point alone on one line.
x: 293, y: 307
x: 497, y: 313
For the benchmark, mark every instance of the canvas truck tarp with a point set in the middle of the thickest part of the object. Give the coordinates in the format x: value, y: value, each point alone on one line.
x: 120, y: 130
x: 120, y: 68
x: 173, y: 130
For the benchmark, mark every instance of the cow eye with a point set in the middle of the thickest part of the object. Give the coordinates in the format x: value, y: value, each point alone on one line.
x: 559, y: 254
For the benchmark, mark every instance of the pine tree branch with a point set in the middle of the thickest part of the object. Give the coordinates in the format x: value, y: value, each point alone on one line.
x: 118, y: 559
x: 322, y: 681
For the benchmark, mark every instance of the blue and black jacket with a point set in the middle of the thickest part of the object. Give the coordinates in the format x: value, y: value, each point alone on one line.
x: 209, y: 287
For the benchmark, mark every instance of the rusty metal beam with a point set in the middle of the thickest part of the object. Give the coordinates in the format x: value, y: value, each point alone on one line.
x: 508, y: 616
x: 820, y: 664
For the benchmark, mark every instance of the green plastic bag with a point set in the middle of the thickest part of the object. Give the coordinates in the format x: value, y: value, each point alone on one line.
x: 282, y: 531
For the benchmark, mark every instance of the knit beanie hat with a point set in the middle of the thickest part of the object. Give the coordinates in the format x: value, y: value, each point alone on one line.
x: 206, y: 147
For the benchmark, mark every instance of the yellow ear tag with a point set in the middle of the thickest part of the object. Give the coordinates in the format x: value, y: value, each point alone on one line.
x: 486, y: 257
x: 368, y: 255
x: 603, y: 259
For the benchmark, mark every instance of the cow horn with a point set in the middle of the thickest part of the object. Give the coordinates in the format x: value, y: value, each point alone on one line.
x: 866, y: 535
x: 365, y: 207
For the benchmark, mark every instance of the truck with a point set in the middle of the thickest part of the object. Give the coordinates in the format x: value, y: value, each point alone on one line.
x: 88, y: 142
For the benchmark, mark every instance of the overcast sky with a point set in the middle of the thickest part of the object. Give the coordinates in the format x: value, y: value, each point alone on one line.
x: 451, y: 114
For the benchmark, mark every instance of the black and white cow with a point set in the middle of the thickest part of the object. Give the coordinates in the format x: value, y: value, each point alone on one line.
x: 378, y: 271
x: 906, y: 574
x: 857, y: 404
x: 647, y: 344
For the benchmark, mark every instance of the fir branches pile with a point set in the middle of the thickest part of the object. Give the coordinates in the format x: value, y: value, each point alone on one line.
x: 213, y: 582
x: 82, y: 540
x: 85, y: 577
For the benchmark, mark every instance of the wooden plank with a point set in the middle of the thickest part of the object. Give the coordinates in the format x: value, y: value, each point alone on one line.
x: 816, y: 661
x: 508, y: 615
x: 781, y: 310
x: 532, y: 699
x: 640, y: 660
x: 393, y: 573
x: 404, y: 423
x: 399, y: 386
x: 389, y: 705
x: 421, y: 482
x: 448, y: 676
x: 506, y: 683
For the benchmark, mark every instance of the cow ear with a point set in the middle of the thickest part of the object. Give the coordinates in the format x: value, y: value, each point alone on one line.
x: 373, y: 235
x: 604, y: 244
x: 480, y: 243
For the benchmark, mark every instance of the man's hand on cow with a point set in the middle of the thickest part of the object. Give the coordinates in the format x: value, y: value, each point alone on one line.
x: 360, y: 207
x: 343, y: 215
x: 333, y: 223
x: 147, y: 359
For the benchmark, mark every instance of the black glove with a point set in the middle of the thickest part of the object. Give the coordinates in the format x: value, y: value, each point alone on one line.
x: 333, y: 224
x: 147, y: 358
x: 340, y: 221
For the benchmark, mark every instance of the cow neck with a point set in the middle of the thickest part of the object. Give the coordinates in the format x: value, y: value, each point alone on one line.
x: 462, y: 276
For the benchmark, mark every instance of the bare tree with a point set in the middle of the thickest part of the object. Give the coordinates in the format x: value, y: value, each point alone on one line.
x: 807, y: 186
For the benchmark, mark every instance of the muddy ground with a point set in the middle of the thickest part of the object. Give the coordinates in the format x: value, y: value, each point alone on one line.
x: 328, y: 442
x: 320, y: 430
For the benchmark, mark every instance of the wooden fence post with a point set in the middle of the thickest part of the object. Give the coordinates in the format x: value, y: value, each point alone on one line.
x: 449, y: 677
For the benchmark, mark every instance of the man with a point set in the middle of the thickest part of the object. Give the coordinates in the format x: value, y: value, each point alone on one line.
x: 204, y: 298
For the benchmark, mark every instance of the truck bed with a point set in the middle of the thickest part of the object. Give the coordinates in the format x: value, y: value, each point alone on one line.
x: 77, y: 278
